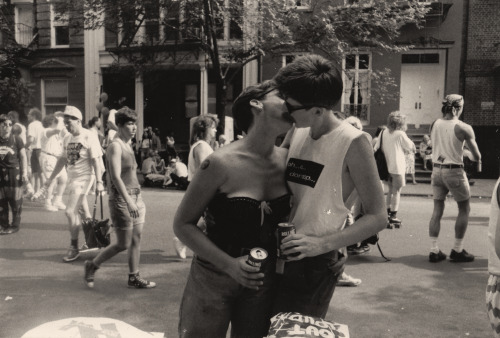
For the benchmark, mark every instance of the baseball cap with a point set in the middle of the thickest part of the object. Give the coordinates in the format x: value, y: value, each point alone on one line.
x: 73, y: 111
x: 453, y: 100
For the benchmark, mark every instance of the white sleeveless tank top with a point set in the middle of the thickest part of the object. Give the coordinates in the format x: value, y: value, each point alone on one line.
x: 446, y: 147
x: 314, y: 174
x: 192, y: 168
x: 493, y: 260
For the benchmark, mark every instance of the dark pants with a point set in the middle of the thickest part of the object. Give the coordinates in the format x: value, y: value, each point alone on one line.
x: 180, y: 182
x: 307, y: 286
x: 10, y: 194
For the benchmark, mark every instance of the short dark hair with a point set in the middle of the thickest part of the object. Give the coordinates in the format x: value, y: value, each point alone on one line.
x: 36, y: 113
x: 124, y: 115
x: 14, y: 115
x: 93, y: 121
x: 242, y: 111
x: 48, y: 121
x: 311, y: 80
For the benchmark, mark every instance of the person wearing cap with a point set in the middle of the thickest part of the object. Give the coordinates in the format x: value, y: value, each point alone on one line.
x: 448, y: 135
x: 34, y: 142
x: 81, y: 155
x: 13, y: 172
x: 178, y: 173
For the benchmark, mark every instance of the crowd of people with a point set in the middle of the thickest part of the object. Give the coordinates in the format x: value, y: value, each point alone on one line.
x: 238, y: 193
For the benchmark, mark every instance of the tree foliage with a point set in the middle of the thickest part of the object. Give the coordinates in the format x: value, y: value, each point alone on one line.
x: 258, y: 28
x: 15, y: 92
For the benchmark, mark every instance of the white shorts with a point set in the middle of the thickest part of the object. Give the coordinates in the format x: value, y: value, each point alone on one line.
x: 80, y: 185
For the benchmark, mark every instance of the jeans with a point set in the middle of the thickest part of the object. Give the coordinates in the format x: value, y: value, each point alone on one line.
x: 307, y: 286
x: 212, y: 299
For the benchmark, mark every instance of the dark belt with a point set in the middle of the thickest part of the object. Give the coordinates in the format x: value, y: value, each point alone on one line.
x: 135, y: 191
x: 448, y: 166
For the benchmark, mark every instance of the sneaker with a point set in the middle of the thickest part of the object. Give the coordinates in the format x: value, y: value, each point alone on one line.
x: 436, y: 257
x: 72, y: 254
x: 135, y: 281
x: 346, y: 280
x: 9, y: 230
x: 462, y: 256
x: 59, y: 205
x: 90, y: 270
x: 50, y: 207
x: 180, y: 248
x: 85, y: 248
x: 357, y: 250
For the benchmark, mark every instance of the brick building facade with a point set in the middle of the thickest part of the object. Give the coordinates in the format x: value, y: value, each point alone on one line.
x: 482, y: 79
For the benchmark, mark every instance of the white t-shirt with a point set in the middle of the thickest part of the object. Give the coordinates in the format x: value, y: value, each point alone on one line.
x: 36, y: 129
x: 111, y: 132
x: 54, y: 145
x: 394, y: 146
x: 80, y: 150
x: 493, y: 260
x: 181, y: 169
x: 314, y: 175
x: 446, y: 147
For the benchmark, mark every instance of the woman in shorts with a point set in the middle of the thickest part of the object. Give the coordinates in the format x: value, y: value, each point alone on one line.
x: 241, y: 188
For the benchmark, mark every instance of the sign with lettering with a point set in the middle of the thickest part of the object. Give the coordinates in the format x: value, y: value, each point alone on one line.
x: 293, y: 324
x: 88, y: 327
x: 303, y: 172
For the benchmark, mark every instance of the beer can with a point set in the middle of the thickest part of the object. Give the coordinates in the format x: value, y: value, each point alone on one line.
x: 256, y: 257
x: 284, y: 230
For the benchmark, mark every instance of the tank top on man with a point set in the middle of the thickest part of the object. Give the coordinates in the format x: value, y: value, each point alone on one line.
x: 314, y: 174
x: 493, y: 260
x: 192, y: 168
x: 446, y: 147
x: 128, y: 165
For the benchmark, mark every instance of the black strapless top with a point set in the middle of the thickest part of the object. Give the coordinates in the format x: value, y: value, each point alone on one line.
x: 237, y: 224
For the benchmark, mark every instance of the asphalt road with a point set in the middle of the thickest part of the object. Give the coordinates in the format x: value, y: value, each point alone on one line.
x: 407, y: 297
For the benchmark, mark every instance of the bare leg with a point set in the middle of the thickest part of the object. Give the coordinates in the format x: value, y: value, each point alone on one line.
x: 123, y: 242
x: 134, y: 252
x: 435, y: 222
x: 462, y: 219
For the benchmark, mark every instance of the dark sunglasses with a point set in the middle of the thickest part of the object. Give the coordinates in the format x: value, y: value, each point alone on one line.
x: 67, y: 117
x: 291, y: 108
x: 7, y: 124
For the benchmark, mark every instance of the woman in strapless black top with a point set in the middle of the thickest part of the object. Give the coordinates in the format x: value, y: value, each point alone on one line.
x: 242, y: 192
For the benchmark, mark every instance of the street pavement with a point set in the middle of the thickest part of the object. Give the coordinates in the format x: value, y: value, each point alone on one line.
x: 406, y: 297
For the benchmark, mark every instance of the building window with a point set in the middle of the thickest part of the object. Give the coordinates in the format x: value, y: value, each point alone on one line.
x: 54, y: 95
x: 356, y: 97
x: 420, y: 58
x: 59, y: 28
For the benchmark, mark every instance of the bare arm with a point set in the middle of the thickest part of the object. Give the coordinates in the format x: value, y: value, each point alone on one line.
x: 24, y: 164
x: 200, y: 192
x: 470, y: 138
x: 29, y: 141
x: 288, y: 138
x: 61, y: 162
x: 363, y: 172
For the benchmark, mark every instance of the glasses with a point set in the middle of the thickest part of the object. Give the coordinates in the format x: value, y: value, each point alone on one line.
x: 291, y: 108
x: 70, y: 118
x: 6, y: 124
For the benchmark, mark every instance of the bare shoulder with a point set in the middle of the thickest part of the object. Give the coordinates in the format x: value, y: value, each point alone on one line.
x: 465, y: 130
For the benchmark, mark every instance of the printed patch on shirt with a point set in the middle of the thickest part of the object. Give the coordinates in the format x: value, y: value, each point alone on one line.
x: 73, y: 152
x: 5, y: 150
x: 303, y: 172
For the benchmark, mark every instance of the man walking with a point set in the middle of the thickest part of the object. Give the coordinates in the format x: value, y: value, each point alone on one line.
x: 328, y: 160
x: 81, y: 155
x: 448, y: 135
x: 34, y: 142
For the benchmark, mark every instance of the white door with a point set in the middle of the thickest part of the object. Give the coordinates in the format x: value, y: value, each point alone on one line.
x: 422, y: 85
